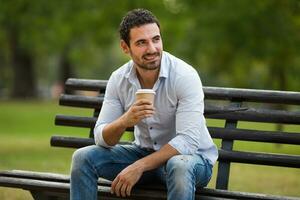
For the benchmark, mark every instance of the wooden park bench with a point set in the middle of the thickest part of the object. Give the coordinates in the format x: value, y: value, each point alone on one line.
x: 227, y: 104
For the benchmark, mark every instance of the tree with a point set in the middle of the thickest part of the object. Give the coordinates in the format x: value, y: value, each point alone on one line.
x: 14, y: 21
x: 256, y: 43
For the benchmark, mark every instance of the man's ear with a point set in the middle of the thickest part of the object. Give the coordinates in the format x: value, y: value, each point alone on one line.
x: 124, y: 47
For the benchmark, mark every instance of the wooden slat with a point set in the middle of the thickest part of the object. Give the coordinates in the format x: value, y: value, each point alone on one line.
x: 70, y: 142
x: 260, y: 115
x: 15, y: 175
x: 36, y: 175
x: 260, y: 158
x: 30, y: 184
x: 81, y: 101
x: 216, y: 132
x: 103, y: 191
x: 75, y: 121
x: 253, y: 95
x: 74, y: 142
x: 96, y: 103
x: 270, y: 116
x: 232, y: 156
x: 86, y: 84
x: 255, y: 135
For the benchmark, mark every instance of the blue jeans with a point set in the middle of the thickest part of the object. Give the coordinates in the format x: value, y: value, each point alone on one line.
x: 181, y: 174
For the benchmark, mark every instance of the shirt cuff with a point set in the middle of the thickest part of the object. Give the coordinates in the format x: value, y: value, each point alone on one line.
x: 98, y: 136
x: 182, y: 146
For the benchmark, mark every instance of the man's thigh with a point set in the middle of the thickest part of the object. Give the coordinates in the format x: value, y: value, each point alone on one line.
x: 109, y: 162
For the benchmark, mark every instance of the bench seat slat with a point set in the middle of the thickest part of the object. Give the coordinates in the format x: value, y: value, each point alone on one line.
x: 14, y: 176
x: 49, y: 187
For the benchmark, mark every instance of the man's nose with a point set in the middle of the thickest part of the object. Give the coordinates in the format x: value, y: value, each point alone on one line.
x: 151, y: 47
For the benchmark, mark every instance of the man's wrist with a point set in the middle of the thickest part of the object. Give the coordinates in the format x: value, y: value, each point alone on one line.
x: 141, y: 165
x: 122, y: 122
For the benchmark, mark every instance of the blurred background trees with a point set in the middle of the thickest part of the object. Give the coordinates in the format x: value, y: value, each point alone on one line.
x: 249, y: 43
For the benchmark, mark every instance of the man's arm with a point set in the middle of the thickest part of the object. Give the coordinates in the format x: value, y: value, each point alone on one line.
x: 127, y: 178
x: 112, y: 121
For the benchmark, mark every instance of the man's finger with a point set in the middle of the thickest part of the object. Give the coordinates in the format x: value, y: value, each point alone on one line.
x: 144, y: 112
x: 113, y: 184
x: 143, y: 107
x: 118, y: 187
x: 128, y: 190
x: 143, y: 101
x: 123, y: 190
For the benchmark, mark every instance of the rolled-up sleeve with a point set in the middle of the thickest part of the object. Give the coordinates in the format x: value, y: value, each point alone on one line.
x: 110, y: 111
x: 190, y: 122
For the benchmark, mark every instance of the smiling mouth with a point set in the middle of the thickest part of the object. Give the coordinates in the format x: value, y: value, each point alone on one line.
x: 150, y: 57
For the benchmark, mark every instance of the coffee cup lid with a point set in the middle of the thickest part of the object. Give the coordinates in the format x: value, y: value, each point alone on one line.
x: 149, y: 91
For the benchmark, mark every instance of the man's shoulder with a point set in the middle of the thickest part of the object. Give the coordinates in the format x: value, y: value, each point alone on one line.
x: 123, y: 70
x: 178, y: 67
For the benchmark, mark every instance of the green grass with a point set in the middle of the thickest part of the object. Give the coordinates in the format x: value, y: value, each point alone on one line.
x: 26, y: 127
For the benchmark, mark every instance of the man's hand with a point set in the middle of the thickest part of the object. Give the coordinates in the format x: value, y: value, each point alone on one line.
x: 139, y: 110
x: 126, y: 179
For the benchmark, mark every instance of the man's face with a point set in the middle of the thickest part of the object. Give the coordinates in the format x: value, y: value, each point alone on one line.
x: 145, y: 46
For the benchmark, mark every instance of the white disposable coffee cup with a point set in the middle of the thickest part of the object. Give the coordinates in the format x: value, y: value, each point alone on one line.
x: 145, y: 94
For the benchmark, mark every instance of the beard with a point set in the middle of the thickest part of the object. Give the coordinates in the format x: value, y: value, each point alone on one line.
x: 150, y: 65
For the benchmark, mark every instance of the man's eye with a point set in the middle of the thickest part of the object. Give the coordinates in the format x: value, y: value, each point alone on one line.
x: 140, y: 43
x: 157, y: 39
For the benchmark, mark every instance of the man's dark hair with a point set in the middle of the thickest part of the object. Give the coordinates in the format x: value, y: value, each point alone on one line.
x: 135, y: 18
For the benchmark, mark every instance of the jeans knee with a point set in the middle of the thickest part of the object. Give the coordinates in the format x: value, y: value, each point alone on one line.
x: 82, y: 158
x: 178, y: 168
x: 78, y: 159
x: 178, y: 164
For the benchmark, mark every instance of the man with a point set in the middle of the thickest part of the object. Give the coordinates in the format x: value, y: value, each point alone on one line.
x: 172, y: 144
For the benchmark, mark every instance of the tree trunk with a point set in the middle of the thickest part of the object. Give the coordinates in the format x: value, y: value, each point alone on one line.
x: 65, y: 68
x: 279, y: 65
x: 24, y: 80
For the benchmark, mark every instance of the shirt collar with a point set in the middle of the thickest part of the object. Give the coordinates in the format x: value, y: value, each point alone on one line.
x: 164, y: 66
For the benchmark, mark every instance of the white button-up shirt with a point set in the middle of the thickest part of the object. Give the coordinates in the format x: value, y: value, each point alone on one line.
x: 179, y: 103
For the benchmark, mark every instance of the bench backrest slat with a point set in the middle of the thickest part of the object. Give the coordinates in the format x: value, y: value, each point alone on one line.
x: 255, y: 135
x: 260, y: 158
x: 268, y: 96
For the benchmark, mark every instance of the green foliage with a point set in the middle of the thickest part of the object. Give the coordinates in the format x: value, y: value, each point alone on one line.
x: 237, y: 44
x: 245, y: 43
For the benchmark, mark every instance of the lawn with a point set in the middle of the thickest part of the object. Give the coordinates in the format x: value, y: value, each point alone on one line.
x: 25, y: 129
